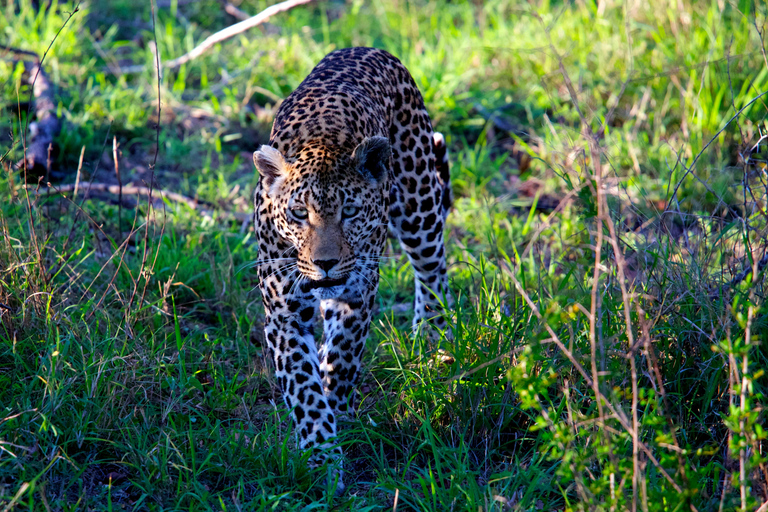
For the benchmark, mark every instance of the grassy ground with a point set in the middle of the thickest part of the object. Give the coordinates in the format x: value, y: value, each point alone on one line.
x: 606, y: 252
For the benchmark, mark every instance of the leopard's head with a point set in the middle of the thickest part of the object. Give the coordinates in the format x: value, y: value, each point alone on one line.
x: 330, y: 204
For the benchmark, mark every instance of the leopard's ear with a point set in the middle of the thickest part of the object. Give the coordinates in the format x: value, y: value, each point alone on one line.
x: 270, y: 164
x: 371, y: 158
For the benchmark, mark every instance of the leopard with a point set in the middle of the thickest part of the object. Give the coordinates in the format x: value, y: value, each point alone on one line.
x: 352, y: 156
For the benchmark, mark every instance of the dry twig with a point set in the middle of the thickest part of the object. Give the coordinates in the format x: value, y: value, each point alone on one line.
x: 225, y: 34
x: 142, y: 269
x: 18, y: 52
x: 235, y: 12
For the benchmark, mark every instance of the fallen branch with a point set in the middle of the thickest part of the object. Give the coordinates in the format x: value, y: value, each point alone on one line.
x: 235, y: 12
x: 19, y: 52
x: 179, y: 3
x: 499, y: 121
x: 47, y: 126
x: 132, y: 190
x: 115, y: 189
x: 225, y: 34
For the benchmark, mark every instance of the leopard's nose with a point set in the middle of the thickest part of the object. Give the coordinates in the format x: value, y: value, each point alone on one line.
x: 325, y: 265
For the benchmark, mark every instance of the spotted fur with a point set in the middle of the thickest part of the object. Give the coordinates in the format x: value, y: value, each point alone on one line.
x: 351, y: 153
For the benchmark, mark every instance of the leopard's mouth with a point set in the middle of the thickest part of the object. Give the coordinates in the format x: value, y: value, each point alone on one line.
x: 325, y: 283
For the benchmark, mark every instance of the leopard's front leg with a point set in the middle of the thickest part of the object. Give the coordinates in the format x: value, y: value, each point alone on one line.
x: 289, y: 333
x: 346, y: 323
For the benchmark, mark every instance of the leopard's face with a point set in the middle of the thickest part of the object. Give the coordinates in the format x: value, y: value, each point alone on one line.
x: 330, y: 206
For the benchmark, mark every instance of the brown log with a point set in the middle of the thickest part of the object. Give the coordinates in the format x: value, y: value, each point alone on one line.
x: 41, y: 133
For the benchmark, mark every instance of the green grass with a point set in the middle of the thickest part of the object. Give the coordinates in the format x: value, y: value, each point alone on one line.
x: 132, y: 370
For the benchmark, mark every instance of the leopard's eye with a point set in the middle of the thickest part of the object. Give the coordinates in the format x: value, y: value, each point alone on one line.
x: 299, y: 213
x: 349, y: 211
